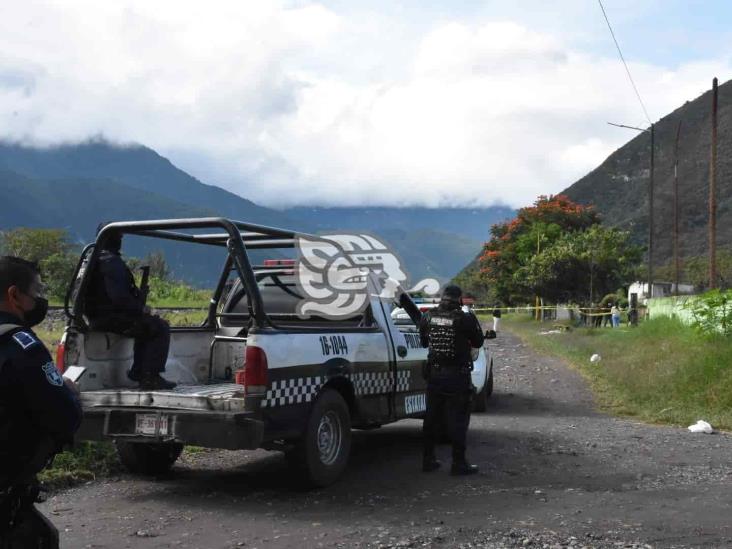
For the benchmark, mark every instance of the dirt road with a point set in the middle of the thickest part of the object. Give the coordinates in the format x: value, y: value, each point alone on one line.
x: 554, y: 473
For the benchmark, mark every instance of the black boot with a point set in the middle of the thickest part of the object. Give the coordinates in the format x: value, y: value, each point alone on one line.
x: 463, y: 468
x: 460, y: 465
x: 430, y: 463
x: 133, y: 375
x: 155, y: 382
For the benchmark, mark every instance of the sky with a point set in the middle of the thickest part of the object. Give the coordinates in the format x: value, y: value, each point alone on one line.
x: 386, y: 102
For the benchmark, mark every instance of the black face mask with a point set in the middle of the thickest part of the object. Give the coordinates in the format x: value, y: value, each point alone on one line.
x: 36, y: 315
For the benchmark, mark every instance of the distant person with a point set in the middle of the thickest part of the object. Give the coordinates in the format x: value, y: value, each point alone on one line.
x: 115, y: 304
x: 496, y: 317
x: 450, y: 335
x: 597, y: 316
x: 39, y: 410
x: 615, y: 314
x: 607, y: 315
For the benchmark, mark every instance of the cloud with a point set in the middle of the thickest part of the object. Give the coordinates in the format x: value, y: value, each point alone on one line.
x: 304, y: 105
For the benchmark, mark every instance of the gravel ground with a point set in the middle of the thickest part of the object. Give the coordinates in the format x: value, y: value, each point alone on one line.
x: 554, y: 473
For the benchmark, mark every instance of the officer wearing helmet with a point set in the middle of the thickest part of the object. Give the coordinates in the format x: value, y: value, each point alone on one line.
x: 39, y: 410
x: 449, y: 333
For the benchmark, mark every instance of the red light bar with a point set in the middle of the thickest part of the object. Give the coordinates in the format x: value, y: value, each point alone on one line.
x: 279, y: 262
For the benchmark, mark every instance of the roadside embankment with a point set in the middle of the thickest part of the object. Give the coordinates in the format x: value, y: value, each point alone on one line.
x: 661, y: 371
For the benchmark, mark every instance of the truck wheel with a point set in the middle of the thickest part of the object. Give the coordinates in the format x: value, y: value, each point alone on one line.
x: 148, y: 458
x: 480, y: 404
x: 321, y: 456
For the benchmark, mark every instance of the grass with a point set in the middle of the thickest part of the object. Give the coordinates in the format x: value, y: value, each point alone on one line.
x: 86, y: 461
x: 661, y: 372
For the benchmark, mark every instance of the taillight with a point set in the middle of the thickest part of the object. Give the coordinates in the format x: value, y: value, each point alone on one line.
x: 61, y: 355
x: 255, y: 371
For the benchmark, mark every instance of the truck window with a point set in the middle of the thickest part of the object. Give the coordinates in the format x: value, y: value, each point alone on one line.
x: 280, y: 297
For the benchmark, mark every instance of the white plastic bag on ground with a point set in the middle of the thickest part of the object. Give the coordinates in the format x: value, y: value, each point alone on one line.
x: 595, y: 358
x: 701, y: 426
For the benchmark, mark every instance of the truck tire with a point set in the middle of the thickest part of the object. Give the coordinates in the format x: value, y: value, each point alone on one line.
x: 322, y: 454
x: 480, y: 404
x: 148, y: 458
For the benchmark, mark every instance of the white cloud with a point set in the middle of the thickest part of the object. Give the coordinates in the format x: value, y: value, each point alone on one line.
x: 304, y: 105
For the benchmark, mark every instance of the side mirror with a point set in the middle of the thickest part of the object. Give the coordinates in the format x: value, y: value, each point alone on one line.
x: 490, y: 334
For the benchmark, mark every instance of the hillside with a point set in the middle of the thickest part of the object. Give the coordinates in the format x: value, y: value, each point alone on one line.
x: 77, y: 186
x: 619, y: 186
x: 137, y: 167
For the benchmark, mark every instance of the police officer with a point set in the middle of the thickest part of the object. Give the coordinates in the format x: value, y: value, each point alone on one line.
x: 39, y: 411
x: 115, y: 304
x: 449, y: 333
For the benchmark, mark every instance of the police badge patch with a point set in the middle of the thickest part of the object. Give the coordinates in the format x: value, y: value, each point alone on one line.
x: 25, y: 340
x: 52, y: 374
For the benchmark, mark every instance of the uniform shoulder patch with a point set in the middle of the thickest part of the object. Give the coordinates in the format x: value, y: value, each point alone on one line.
x: 52, y: 374
x: 25, y: 339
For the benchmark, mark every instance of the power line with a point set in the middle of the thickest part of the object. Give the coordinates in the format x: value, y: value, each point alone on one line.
x: 627, y: 70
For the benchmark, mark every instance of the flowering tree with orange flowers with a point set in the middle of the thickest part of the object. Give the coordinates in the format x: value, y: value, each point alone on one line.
x: 516, y: 243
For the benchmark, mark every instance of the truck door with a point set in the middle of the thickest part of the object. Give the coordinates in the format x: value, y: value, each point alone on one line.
x: 406, y: 357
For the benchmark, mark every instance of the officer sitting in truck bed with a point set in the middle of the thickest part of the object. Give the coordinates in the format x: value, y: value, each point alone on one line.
x: 115, y: 304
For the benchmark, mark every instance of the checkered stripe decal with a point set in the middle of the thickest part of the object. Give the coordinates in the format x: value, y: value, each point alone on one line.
x: 292, y: 391
x: 299, y: 390
x: 371, y: 383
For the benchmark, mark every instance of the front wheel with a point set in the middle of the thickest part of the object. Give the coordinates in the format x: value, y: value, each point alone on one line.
x: 148, y: 458
x: 322, y: 454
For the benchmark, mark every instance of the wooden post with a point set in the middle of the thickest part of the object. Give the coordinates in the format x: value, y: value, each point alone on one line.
x: 676, y: 210
x: 713, y: 193
x: 650, y: 212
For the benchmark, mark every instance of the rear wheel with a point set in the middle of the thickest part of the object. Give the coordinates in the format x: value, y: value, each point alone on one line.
x: 321, y: 456
x: 148, y: 458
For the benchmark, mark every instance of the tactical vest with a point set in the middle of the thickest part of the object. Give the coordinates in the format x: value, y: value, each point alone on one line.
x: 443, y: 335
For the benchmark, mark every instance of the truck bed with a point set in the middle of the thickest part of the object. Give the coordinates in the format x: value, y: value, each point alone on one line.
x: 220, y: 397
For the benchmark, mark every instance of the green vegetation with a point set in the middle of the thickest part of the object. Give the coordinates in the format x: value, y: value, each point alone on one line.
x: 558, y: 250
x: 694, y: 270
x: 662, y: 371
x: 50, y: 248
x: 86, y: 461
x: 167, y: 293
x: 712, y: 312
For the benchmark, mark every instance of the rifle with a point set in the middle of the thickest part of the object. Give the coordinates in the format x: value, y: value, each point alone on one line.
x: 145, y: 283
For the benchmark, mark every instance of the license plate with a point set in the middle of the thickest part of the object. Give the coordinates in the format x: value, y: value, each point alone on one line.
x: 151, y: 424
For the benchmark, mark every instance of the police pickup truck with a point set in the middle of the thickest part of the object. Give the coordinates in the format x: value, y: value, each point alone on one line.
x: 255, y: 373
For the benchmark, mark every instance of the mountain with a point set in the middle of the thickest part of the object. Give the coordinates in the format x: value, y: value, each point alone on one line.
x: 471, y: 223
x: 619, y: 186
x: 433, y: 242
x: 137, y: 167
x: 75, y: 187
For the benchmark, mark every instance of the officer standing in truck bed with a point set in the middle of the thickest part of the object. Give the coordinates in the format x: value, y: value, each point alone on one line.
x: 450, y: 334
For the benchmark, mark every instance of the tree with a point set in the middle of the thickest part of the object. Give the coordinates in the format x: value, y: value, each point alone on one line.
x: 582, y: 266
x: 515, y: 243
x: 51, y: 249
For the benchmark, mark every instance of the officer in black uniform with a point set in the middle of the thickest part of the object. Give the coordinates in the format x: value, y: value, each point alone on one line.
x: 39, y: 411
x: 449, y: 333
x: 115, y: 304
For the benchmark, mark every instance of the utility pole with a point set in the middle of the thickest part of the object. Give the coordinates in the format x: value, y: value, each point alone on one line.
x: 676, y: 209
x: 538, y: 249
x: 652, y: 131
x: 713, y: 193
x: 650, y: 212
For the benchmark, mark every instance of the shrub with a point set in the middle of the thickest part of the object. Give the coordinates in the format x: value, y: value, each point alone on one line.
x: 712, y: 312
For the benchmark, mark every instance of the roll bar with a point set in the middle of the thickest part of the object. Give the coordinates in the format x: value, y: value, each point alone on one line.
x: 236, y: 237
